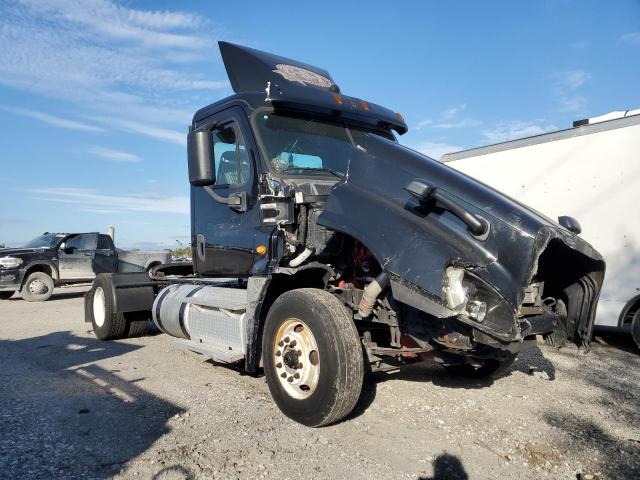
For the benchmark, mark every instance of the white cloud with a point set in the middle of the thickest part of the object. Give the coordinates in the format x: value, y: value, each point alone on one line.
x: 446, y: 119
x: 174, y: 136
x: 451, y: 112
x: 114, y: 155
x: 505, y: 131
x: 573, y: 104
x: 567, y: 86
x: 435, y: 149
x: 465, y: 122
x: 631, y: 37
x: 108, y: 59
x: 53, y: 120
x: 90, y: 200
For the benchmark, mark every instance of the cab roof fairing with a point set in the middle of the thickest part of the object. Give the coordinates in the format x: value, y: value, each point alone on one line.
x: 291, y: 85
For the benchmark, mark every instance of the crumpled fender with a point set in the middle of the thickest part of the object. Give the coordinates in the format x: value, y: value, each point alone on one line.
x: 415, y: 246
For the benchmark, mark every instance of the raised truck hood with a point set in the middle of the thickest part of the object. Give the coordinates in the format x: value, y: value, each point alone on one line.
x: 415, y: 242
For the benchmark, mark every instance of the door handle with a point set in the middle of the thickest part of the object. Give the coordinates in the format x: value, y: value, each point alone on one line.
x: 424, y: 192
x: 87, y: 254
x: 200, y: 250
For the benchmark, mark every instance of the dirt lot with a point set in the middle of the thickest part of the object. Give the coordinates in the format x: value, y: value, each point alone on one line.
x: 72, y: 406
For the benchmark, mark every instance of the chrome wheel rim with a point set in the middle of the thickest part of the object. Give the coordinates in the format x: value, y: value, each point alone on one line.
x: 98, y: 306
x: 38, y: 287
x: 296, y: 358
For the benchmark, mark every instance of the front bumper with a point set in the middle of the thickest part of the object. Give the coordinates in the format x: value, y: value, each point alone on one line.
x: 10, y: 280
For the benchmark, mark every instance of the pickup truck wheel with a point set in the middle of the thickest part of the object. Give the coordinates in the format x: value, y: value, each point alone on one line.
x: 38, y: 287
x: 107, y: 325
x: 485, y: 368
x: 312, y: 357
x: 6, y: 295
x: 635, y: 328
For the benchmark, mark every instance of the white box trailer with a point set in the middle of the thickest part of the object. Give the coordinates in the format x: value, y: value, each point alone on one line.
x: 592, y: 173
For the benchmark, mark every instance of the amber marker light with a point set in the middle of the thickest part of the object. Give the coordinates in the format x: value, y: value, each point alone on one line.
x: 261, y: 249
x: 399, y: 117
x: 363, y: 105
x: 338, y: 99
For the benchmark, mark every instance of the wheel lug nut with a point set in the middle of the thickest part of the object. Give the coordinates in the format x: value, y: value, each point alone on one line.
x: 283, y: 375
x: 297, y: 375
x: 281, y: 343
x: 278, y: 353
x: 299, y: 365
x: 278, y: 365
x: 293, y: 343
x: 299, y: 352
x: 286, y: 339
x: 290, y: 379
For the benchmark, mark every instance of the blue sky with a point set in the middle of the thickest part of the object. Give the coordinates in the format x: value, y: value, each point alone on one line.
x: 96, y: 95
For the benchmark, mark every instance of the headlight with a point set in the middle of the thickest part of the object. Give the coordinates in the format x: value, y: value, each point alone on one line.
x: 468, y: 295
x: 10, y: 262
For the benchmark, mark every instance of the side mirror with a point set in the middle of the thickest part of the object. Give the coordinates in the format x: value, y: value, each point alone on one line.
x: 62, y: 246
x: 201, y: 159
x: 570, y: 224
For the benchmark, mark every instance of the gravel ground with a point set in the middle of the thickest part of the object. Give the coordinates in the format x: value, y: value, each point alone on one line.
x: 72, y: 406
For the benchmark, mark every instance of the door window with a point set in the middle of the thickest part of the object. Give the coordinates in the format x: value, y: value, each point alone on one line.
x: 103, y: 242
x: 85, y: 241
x: 232, y: 164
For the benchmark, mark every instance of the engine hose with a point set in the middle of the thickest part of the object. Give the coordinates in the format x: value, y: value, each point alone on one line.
x: 371, y: 293
x: 296, y: 262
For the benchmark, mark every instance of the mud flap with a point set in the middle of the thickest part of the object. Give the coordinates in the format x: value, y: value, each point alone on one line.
x: 581, y: 310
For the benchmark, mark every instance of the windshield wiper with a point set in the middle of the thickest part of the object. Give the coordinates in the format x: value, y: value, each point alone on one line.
x: 317, y: 169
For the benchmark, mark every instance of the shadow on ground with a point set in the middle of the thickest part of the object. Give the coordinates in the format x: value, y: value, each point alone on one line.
x: 447, y: 467
x: 531, y: 362
x: 65, y: 416
x: 615, y: 374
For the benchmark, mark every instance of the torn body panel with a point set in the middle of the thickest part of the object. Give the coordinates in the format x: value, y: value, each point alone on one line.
x: 415, y: 242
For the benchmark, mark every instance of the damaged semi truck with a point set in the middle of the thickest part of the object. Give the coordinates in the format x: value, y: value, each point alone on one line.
x: 322, y: 249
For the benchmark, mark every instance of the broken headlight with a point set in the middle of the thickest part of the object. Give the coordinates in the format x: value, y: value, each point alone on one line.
x: 468, y: 295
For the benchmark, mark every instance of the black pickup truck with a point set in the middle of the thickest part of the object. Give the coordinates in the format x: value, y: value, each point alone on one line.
x: 54, y: 259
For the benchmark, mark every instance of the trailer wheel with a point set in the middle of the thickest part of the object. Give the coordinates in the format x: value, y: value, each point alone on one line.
x: 38, y: 287
x: 6, y: 295
x: 312, y: 357
x: 107, y: 325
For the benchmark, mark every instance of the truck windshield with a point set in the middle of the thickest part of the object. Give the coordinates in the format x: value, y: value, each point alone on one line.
x: 47, y: 240
x: 307, y: 146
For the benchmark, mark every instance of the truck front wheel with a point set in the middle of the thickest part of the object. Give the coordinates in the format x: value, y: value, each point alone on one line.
x: 38, y: 287
x: 107, y: 325
x: 312, y: 357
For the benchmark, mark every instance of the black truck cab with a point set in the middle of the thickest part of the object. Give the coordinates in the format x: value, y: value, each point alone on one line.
x: 316, y: 237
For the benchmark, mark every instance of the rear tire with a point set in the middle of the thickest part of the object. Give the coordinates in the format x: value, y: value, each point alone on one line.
x: 107, y: 325
x: 319, y: 381
x: 6, y: 295
x: 137, y: 323
x: 38, y: 287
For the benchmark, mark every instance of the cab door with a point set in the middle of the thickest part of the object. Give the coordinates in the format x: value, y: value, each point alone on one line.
x: 76, y: 255
x: 224, y: 234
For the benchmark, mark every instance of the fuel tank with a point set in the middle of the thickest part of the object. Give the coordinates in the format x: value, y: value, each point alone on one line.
x: 210, y: 317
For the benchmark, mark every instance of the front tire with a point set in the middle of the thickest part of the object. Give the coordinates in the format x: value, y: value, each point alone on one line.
x: 38, y: 287
x: 312, y: 357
